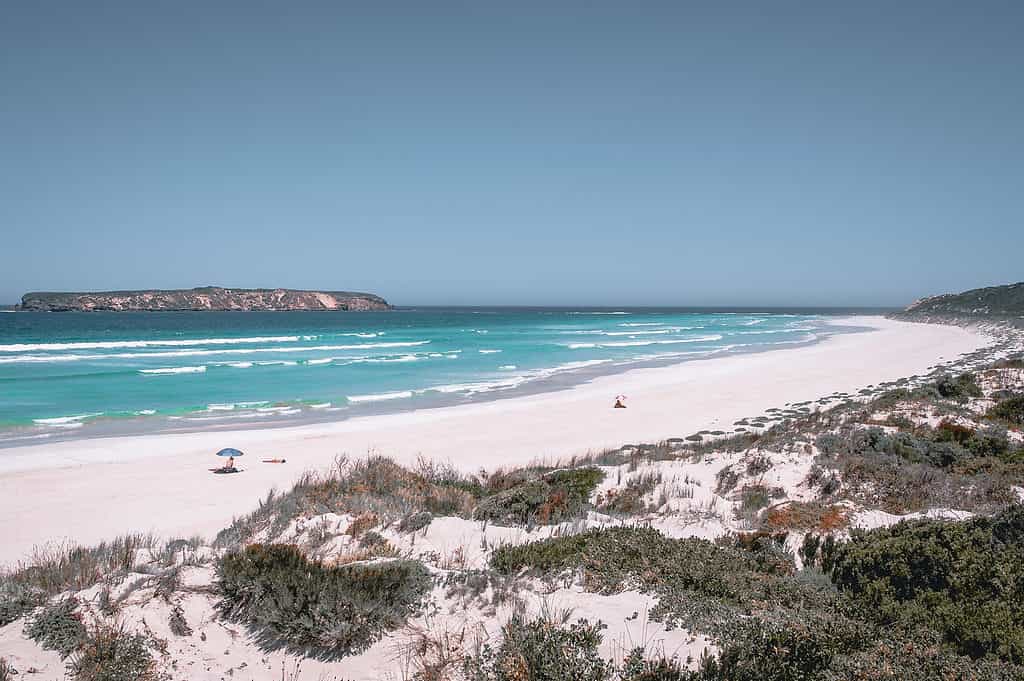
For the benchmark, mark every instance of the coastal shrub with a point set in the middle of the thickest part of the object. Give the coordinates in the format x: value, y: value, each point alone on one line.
x: 631, y: 498
x: 67, y: 567
x: 177, y: 623
x: 963, y: 579
x: 768, y: 549
x: 959, y: 388
x: 947, y: 431
x: 415, y: 521
x: 807, y: 515
x: 725, y: 480
x: 1010, y: 410
x: 768, y: 650
x: 552, y: 498
x: 111, y: 653
x: 307, y: 605
x: 917, y: 655
x: 57, y: 627
x: 17, y: 598
x: 374, y: 485
x: 753, y: 498
x: 636, y: 668
x: 700, y: 585
x: 818, y: 551
x: 541, y: 650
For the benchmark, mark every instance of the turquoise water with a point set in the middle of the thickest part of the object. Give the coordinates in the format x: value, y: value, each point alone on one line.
x: 68, y: 374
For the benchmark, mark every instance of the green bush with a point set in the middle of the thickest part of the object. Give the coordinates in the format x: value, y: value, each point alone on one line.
x: 636, y: 668
x: 57, y: 627
x: 960, y: 388
x: 7, y: 670
x: 539, y: 650
x: 963, y: 579
x: 112, y: 654
x: 303, y: 604
x: 792, y: 651
x: 919, y: 656
x: 551, y: 498
x: 1010, y: 410
x: 700, y: 585
x: 17, y: 598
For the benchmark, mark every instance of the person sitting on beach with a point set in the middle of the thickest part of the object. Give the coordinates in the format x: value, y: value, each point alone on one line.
x: 619, y: 402
x: 230, y: 465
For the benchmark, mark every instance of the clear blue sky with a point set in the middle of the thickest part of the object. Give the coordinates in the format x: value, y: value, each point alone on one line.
x: 818, y: 153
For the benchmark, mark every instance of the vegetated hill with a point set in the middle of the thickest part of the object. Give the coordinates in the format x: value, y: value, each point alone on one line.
x: 208, y: 298
x: 993, y: 302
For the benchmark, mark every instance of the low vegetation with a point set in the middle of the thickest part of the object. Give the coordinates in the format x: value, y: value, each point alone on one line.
x: 57, y: 627
x: 291, y: 601
x: 546, y: 499
x: 111, y: 653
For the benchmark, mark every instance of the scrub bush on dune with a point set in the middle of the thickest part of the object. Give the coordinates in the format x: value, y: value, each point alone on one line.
x: 541, y: 650
x: 57, y: 627
x: 374, y: 486
x: 308, y: 606
x: 111, y: 653
x: 67, y: 568
x: 547, y: 499
x: 1010, y: 410
x: 963, y: 580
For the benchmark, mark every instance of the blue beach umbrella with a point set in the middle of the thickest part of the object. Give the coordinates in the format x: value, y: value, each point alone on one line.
x: 229, y: 451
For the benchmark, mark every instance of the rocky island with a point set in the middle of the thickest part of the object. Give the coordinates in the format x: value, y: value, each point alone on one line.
x: 207, y: 298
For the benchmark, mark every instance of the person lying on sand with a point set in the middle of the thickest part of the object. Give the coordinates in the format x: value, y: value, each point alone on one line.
x: 620, y: 402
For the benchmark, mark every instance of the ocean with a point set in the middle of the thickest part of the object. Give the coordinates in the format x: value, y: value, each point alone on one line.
x: 66, y: 375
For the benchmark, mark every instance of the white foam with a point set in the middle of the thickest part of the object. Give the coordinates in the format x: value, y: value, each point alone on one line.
x: 653, y: 332
x: 196, y: 353
x: 768, y: 331
x: 65, y: 420
x: 277, y: 362
x: 602, y: 313
x: 320, y: 405
x: 175, y: 370
x: 383, y: 360
x: 508, y: 367
x: 145, y: 412
x: 643, y: 343
x: 397, y: 395
x: 488, y: 352
x: 642, y: 324
x: 182, y: 342
x: 325, y: 360
x: 240, y: 365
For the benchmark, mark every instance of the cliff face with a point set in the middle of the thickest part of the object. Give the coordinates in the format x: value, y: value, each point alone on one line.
x: 211, y: 298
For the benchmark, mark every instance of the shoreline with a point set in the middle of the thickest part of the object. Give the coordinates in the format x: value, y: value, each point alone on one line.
x: 89, y: 490
x: 83, y: 427
x: 548, y: 380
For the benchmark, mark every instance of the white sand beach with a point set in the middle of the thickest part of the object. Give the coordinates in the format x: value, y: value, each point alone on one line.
x: 89, y: 490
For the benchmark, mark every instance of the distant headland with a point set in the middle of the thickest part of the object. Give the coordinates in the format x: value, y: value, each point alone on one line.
x: 206, y: 298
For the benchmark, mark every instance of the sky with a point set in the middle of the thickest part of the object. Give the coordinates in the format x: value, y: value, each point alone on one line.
x: 549, y: 153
